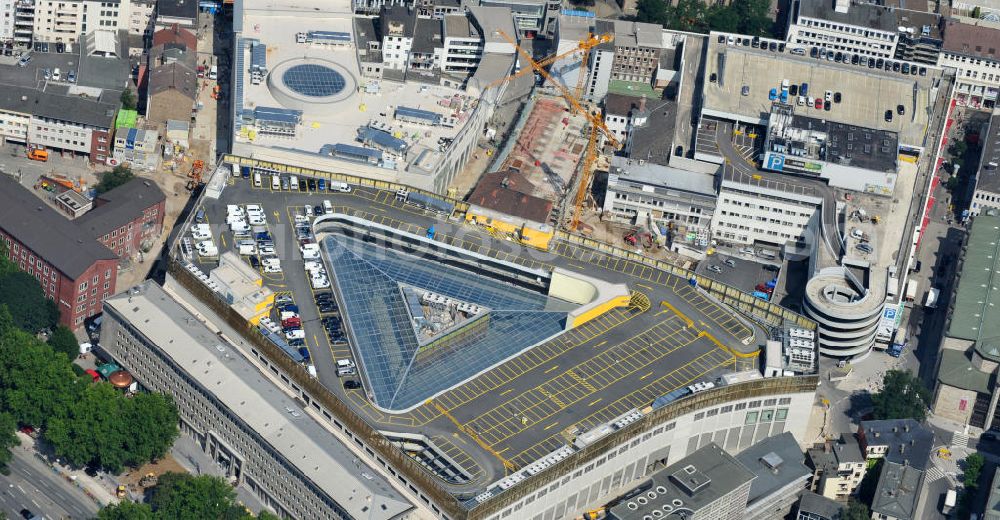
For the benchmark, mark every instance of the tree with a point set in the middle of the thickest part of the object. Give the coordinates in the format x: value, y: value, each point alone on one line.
x: 152, y: 423
x: 114, y: 178
x: 126, y: 510
x: 722, y: 18
x: 63, y: 340
x: 26, y: 302
x: 128, y: 99
x: 180, y: 495
x: 903, y: 395
x: 973, y: 468
x: 8, y: 439
x: 958, y: 148
x: 754, y: 16
x: 854, y: 511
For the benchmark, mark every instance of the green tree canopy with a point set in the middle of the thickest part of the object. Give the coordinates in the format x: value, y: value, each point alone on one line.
x: 26, y: 302
x: 63, y: 340
x: 180, y: 495
x: 742, y: 16
x: 973, y: 469
x: 854, y: 511
x: 126, y: 510
x: 114, y: 178
x: 8, y: 439
x: 903, y: 395
x: 128, y: 99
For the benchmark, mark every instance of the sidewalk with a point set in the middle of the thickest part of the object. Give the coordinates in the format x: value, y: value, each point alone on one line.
x: 94, y: 488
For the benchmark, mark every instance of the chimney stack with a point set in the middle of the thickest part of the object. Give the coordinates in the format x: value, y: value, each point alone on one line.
x: 642, y: 104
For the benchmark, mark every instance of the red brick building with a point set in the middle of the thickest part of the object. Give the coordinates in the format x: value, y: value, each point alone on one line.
x: 75, y: 269
x: 125, y: 217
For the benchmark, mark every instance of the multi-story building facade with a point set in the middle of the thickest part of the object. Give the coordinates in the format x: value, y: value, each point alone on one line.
x: 532, y: 18
x: 64, y: 21
x: 7, y: 9
x: 140, y: 19
x: 679, y: 201
x: 463, y: 44
x: 974, y: 52
x: 637, y: 51
x: 838, y: 468
x: 126, y: 219
x: 867, y: 29
x: 747, y: 214
x: 75, y: 124
x: 76, y: 272
x: 257, y: 430
x: 397, y: 25
x: 987, y: 192
x: 137, y: 147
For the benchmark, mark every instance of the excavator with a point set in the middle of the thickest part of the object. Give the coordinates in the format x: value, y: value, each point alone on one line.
x: 195, y: 175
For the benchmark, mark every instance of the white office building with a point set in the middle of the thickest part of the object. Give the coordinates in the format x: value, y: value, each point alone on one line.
x: 258, y: 432
x: 747, y: 214
x: 974, y: 52
x: 463, y: 44
x: 61, y: 21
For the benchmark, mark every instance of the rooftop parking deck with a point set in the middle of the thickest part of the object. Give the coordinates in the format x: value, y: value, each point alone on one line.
x: 522, y: 407
x: 866, y: 93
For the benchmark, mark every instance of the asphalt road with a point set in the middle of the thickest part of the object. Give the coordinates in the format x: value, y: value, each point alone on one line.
x: 33, y: 485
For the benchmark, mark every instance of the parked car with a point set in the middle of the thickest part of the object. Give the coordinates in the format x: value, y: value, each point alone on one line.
x: 714, y: 268
x: 888, y: 116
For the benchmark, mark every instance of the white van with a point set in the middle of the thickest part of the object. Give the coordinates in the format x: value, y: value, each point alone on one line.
x: 213, y: 73
x: 293, y: 183
x: 275, y: 183
x: 56, y: 74
x: 236, y: 170
x: 345, y: 367
x: 340, y: 186
x: 327, y: 207
x: 256, y: 180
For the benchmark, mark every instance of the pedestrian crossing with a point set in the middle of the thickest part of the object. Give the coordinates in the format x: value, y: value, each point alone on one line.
x: 959, y: 439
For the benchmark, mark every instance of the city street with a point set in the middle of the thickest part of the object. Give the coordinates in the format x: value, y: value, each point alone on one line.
x: 35, y: 486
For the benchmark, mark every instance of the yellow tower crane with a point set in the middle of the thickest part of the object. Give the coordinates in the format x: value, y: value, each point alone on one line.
x: 594, y: 117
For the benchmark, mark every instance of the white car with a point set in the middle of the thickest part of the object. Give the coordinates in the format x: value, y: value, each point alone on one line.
x: 201, y: 234
x: 309, y: 211
x: 310, y: 254
x: 271, y: 268
x: 270, y: 260
x: 296, y: 334
x: 320, y: 282
x: 257, y: 220
x: 267, y: 250
x: 313, y: 266
x: 233, y: 209
x: 746, y: 250
x: 301, y: 219
x: 235, y: 219
x: 254, y: 208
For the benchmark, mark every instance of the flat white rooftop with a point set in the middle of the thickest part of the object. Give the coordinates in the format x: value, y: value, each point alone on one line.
x: 235, y: 382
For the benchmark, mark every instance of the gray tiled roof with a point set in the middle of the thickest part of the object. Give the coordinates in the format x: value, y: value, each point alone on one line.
x: 897, y: 491
x: 46, y: 232
x: 906, y: 440
x: 120, y: 206
x: 777, y: 461
x: 56, y: 104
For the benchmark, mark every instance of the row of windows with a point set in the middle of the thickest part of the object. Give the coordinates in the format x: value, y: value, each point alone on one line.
x: 867, y: 33
x: 759, y: 231
x: 773, y: 209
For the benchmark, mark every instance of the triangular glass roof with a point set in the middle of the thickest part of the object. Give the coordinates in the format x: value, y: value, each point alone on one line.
x: 400, y: 371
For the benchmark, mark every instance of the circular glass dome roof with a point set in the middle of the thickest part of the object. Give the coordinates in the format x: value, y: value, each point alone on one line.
x: 310, y: 79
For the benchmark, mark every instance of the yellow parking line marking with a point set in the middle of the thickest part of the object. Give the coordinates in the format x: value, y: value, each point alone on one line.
x: 505, y: 392
x: 644, y: 286
x: 551, y: 369
x: 601, y: 344
x: 645, y: 376
x: 549, y: 427
x: 595, y: 401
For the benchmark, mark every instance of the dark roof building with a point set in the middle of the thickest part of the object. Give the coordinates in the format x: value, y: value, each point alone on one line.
x: 180, y: 12
x: 897, y: 492
x: 510, y: 192
x: 971, y: 40
x: 71, y: 267
x: 781, y: 476
x: 118, y: 207
x: 903, y: 441
x: 818, y: 507
x: 45, y: 231
x: 708, y: 483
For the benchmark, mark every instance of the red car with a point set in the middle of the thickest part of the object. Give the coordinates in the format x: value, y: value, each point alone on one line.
x: 819, y: 103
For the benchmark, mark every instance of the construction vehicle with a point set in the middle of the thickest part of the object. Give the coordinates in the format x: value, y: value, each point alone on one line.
x: 595, y: 514
x: 149, y: 480
x: 120, y: 492
x: 597, y: 127
x: 195, y: 174
x: 633, y: 238
x: 37, y: 154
